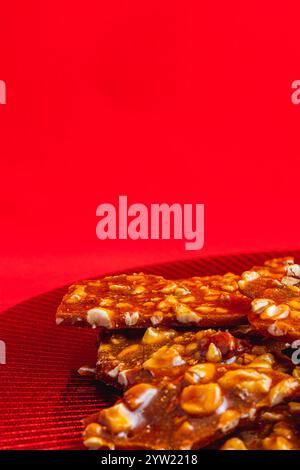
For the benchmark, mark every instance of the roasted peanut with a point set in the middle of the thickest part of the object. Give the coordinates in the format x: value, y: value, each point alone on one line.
x: 164, y: 358
x: 276, y: 443
x: 118, y: 418
x: 129, y: 351
x: 185, y: 315
x: 229, y: 420
x: 249, y: 381
x: 259, y: 305
x: 140, y: 396
x: 282, y: 390
x: 156, y: 335
x: 213, y: 353
x: 200, y: 373
x: 234, y: 444
x: 100, y: 317
x: 201, y: 400
x: 275, y: 312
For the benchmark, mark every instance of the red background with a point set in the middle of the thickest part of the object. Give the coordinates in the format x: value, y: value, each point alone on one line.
x: 163, y: 101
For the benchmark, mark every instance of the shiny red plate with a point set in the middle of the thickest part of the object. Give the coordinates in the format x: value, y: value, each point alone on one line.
x: 42, y: 399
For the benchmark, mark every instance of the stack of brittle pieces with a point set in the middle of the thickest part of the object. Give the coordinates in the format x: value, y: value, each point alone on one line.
x: 202, y: 362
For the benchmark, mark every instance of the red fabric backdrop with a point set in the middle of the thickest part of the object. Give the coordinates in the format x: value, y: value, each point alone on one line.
x: 163, y: 101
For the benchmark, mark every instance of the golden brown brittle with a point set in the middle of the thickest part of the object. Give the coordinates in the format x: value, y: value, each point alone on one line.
x: 128, y: 358
x: 142, y: 300
x: 203, y: 404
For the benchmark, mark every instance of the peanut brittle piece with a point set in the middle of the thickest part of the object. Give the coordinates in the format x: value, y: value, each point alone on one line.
x: 275, y: 308
x: 142, y: 300
x: 131, y: 357
x: 166, y: 352
x: 203, y: 404
x: 278, y: 430
x: 255, y: 281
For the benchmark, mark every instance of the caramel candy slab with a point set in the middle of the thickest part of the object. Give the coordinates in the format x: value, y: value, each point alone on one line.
x: 142, y: 300
x: 195, y: 409
x: 128, y: 358
x: 275, y: 308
